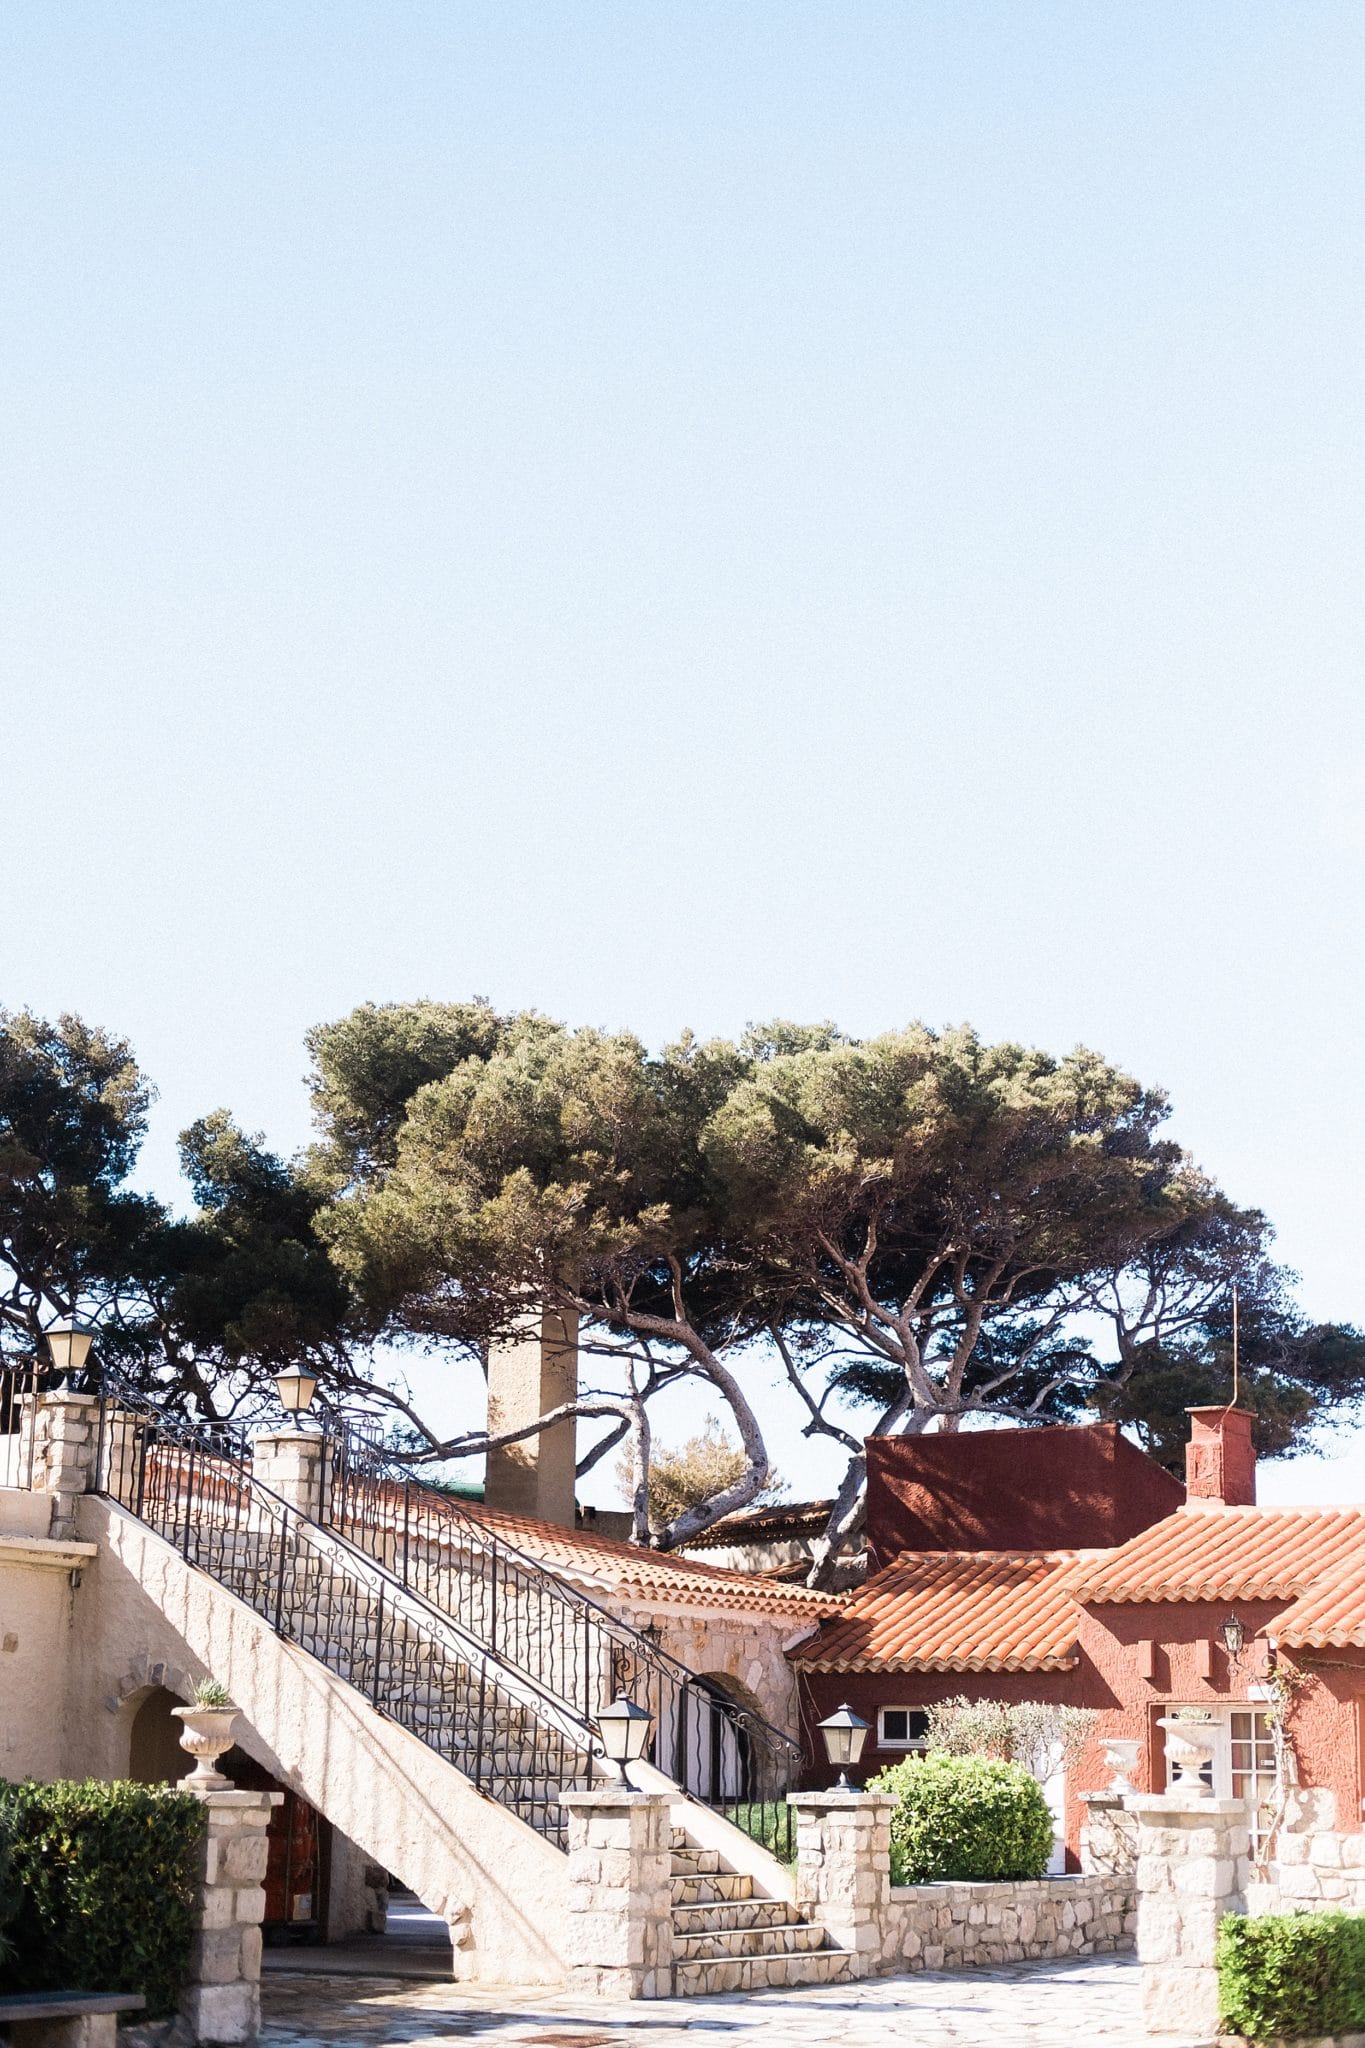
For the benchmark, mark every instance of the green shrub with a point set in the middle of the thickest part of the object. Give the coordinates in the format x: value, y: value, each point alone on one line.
x: 1292, y: 1974
x: 11, y: 1896
x: 107, y: 1882
x: 965, y: 1817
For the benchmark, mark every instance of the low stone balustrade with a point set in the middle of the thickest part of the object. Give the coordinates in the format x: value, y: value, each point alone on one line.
x: 843, y: 1881
x: 967, y: 1926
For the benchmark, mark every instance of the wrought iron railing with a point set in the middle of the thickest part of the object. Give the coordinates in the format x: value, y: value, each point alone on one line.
x: 482, y: 1650
x: 716, y: 1749
x: 19, y: 1383
x: 193, y: 1484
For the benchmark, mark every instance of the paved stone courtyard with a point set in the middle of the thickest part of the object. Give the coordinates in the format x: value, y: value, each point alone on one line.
x: 1024, y: 2005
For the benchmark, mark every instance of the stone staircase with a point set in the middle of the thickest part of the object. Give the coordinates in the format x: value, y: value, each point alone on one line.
x: 726, y: 1939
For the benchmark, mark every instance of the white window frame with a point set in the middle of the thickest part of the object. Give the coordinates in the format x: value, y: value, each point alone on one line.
x: 1219, y: 1767
x: 913, y: 1745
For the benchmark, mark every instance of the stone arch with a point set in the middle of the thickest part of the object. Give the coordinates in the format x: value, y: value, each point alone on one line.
x: 146, y: 1680
x: 733, y: 1688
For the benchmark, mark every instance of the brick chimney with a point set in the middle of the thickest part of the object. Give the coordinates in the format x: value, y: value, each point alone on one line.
x: 1220, y: 1459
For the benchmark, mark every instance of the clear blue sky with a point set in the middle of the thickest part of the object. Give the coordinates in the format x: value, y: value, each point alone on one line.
x: 681, y: 514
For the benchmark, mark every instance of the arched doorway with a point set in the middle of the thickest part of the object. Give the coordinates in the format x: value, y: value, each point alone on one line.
x: 299, y: 1837
x: 154, y: 1753
x: 709, y: 1754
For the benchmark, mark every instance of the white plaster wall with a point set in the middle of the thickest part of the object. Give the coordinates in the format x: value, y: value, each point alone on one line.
x: 37, y: 1608
x: 500, y: 1884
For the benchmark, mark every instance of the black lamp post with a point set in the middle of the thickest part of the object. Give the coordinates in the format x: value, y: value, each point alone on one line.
x: 843, y: 1733
x: 624, y: 1729
x: 1234, y: 1638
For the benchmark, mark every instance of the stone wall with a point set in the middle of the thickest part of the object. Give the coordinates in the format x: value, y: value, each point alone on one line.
x: 1312, y: 1865
x: 746, y: 1648
x: 843, y: 1844
x: 963, y: 1926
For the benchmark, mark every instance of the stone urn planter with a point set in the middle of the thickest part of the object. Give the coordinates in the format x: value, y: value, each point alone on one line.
x: 206, y: 1732
x: 1189, y: 1745
x: 1121, y: 1761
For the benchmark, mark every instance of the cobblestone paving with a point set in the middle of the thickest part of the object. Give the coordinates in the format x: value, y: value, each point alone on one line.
x: 1023, y: 2005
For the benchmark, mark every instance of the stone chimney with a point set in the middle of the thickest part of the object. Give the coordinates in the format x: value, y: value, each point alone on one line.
x: 527, y: 1376
x: 1220, y: 1459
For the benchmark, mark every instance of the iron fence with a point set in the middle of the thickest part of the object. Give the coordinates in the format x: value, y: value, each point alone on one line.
x: 716, y: 1749
x: 481, y: 1650
x: 19, y: 1388
x: 193, y: 1484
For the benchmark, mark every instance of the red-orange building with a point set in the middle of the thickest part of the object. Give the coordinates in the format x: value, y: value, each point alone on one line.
x: 1063, y: 1565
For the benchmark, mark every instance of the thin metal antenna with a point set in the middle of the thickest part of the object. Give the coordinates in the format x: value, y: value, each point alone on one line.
x: 1234, y: 1344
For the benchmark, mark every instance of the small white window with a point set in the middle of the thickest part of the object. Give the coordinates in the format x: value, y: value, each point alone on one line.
x: 902, y: 1727
x: 1243, y: 1762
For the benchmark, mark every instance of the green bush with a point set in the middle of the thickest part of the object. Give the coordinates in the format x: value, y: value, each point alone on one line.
x: 107, y: 1883
x: 1292, y: 1974
x: 965, y: 1817
x: 11, y: 1895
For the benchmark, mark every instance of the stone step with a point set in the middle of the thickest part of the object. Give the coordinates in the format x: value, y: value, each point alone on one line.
x: 695, y: 1862
x: 718, y: 1885
x: 793, y: 1937
x: 762, y: 1973
x: 717, y: 1915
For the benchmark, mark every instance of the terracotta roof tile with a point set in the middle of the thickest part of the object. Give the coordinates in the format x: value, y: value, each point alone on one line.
x: 661, y: 1574
x: 1330, y: 1615
x: 957, y: 1610
x: 1212, y: 1552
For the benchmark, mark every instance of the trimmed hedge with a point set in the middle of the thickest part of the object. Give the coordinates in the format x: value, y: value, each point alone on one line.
x: 1295, y: 1975
x: 106, y: 1879
x: 965, y: 1817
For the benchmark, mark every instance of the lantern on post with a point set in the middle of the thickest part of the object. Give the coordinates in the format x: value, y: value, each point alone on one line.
x: 296, y: 1389
x: 624, y: 1729
x: 843, y: 1733
x: 68, y: 1346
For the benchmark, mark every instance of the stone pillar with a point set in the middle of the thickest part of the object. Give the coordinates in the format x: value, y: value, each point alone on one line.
x: 289, y: 1462
x: 620, y: 1901
x: 843, y: 1868
x: 221, y: 2002
x: 1108, y: 1836
x: 528, y: 1376
x: 1190, y: 1872
x: 65, y: 1445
